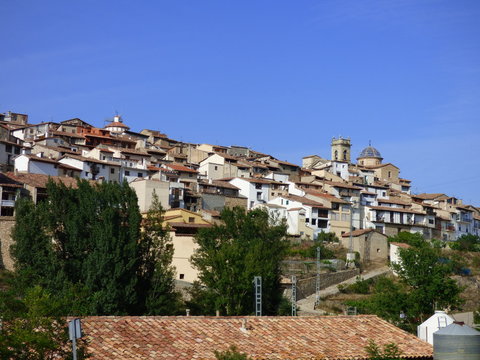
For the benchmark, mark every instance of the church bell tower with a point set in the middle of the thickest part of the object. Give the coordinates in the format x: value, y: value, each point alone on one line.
x: 341, y: 149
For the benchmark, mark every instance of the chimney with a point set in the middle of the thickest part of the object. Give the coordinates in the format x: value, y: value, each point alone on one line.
x: 244, y: 325
x: 187, y: 311
x: 217, y: 313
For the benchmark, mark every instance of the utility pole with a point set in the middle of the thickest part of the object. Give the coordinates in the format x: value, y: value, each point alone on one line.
x: 351, y: 254
x: 257, y: 280
x: 294, y: 295
x: 74, y: 332
x: 317, y: 281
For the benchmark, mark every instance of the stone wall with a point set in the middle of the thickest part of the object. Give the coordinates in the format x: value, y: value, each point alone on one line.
x: 6, y: 225
x: 306, y: 287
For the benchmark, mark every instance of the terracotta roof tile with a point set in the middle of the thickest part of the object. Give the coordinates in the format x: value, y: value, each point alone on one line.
x: 40, y: 180
x: 329, y: 197
x: 322, y: 337
x: 402, y: 245
x: 180, y: 168
x: 426, y: 196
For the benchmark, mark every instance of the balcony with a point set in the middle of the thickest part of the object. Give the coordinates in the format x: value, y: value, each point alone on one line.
x: 7, y: 203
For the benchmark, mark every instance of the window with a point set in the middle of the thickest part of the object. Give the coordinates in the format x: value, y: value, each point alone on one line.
x: 314, y: 221
x: 216, y: 167
x: 344, y: 154
x: 103, y: 166
x: 17, y: 150
x: 344, y: 217
x: 112, y: 171
x: 259, y: 195
x: 258, y: 186
x: 286, y: 202
x: 191, y: 219
x: 140, y: 175
x: 389, y: 174
x: 336, y: 154
x: 307, y: 220
x: 127, y: 173
x: 181, y: 276
x: 8, y: 148
x: 190, y: 175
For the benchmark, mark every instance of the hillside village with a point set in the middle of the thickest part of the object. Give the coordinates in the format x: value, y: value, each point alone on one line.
x: 359, y: 199
x: 351, y: 195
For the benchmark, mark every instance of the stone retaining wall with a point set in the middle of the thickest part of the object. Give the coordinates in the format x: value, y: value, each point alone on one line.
x: 306, y: 287
x: 6, y: 225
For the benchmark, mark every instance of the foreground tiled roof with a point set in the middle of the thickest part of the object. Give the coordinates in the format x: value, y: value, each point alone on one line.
x: 323, y: 337
x: 40, y: 180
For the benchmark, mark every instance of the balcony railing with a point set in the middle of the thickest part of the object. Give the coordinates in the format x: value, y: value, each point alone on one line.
x: 7, y: 203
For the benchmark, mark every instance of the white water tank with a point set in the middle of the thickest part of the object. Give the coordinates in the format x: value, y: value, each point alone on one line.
x: 437, y: 321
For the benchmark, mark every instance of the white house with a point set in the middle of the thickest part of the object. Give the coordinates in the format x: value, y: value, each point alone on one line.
x: 218, y: 166
x: 394, y: 252
x: 316, y: 214
x: 434, y: 323
x: 93, y: 169
x: 36, y: 165
x: 257, y: 191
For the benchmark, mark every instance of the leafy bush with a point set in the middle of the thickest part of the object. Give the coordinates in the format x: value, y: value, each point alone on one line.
x: 361, y: 286
x: 466, y: 242
x: 327, y: 237
x: 231, y: 354
x: 390, y: 351
x: 310, y: 251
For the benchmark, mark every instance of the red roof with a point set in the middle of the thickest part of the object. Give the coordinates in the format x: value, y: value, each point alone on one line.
x: 263, y: 337
x: 180, y: 168
x: 117, y: 124
x: 402, y: 245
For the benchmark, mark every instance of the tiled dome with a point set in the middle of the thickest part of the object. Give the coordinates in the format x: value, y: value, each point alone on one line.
x: 370, y: 152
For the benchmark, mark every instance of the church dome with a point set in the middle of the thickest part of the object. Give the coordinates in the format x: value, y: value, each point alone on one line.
x: 370, y: 152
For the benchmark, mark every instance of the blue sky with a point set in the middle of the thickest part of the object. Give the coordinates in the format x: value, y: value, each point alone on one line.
x: 282, y: 77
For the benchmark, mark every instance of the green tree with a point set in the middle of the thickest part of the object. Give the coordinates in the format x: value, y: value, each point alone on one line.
x: 389, y: 352
x: 327, y: 237
x: 31, y: 328
x: 88, y: 239
x: 428, y: 279
x: 388, y: 300
x: 413, y: 239
x: 466, y: 242
x: 230, y: 255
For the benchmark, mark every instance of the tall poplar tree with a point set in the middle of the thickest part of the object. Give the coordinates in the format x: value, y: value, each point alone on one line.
x: 88, y: 240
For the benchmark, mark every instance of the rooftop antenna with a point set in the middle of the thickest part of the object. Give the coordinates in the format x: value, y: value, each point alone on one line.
x: 257, y: 281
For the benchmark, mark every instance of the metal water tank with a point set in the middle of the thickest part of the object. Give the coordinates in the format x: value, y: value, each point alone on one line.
x: 457, y: 341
